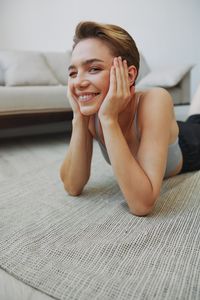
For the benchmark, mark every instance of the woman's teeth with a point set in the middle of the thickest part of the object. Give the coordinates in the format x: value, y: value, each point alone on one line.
x: 87, y: 97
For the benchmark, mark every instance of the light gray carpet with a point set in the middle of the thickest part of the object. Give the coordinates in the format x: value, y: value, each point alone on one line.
x: 91, y: 247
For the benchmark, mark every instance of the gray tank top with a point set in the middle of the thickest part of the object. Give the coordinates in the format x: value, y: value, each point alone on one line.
x: 174, y: 156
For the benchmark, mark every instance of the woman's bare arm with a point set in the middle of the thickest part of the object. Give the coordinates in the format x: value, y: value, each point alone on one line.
x: 140, y: 178
x: 75, y: 170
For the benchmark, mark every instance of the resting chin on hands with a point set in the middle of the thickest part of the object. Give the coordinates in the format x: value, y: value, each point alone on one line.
x: 75, y: 107
x: 119, y: 94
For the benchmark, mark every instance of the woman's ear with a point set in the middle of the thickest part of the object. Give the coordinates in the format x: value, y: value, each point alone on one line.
x: 132, y: 74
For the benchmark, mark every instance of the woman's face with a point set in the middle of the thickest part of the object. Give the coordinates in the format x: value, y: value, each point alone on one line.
x: 89, y: 74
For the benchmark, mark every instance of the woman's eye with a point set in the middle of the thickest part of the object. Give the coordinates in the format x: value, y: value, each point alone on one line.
x: 95, y: 69
x: 72, y: 74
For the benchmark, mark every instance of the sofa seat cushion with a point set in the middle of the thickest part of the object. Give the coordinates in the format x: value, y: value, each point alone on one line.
x: 23, y: 68
x: 33, y: 99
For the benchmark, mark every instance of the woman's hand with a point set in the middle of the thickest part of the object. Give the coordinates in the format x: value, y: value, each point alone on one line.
x: 75, y: 107
x: 73, y: 102
x: 119, y: 93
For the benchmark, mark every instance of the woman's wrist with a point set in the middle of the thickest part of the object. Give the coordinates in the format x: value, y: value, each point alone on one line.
x: 108, y: 121
x: 80, y: 119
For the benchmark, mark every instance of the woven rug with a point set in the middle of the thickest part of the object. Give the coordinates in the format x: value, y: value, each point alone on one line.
x: 91, y: 247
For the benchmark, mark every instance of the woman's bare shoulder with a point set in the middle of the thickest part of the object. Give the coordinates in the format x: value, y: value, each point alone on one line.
x: 155, y: 92
x: 155, y: 97
x: 154, y: 104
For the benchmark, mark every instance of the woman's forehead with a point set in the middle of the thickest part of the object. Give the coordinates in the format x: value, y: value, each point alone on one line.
x: 91, y: 48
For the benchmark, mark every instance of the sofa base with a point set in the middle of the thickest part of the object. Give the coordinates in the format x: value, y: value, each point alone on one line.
x: 30, y: 119
x: 24, y: 124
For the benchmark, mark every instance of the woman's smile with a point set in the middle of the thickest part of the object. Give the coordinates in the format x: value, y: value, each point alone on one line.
x: 89, y: 74
x: 86, y: 97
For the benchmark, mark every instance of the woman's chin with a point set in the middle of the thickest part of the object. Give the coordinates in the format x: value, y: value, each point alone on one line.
x: 88, y: 111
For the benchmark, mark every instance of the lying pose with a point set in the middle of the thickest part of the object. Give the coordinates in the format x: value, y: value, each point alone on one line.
x: 137, y: 131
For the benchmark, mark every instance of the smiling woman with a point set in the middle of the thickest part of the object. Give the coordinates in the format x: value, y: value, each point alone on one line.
x: 137, y: 131
x: 89, y: 75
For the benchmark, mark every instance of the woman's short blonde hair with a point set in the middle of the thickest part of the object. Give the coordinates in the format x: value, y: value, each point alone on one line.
x: 118, y: 40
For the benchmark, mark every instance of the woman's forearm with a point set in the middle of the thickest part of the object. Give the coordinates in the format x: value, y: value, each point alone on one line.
x: 75, y: 170
x: 133, y: 182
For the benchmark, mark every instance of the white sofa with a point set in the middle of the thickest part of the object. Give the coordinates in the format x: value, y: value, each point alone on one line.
x: 33, y: 89
x: 174, y: 78
x: 33, y: 92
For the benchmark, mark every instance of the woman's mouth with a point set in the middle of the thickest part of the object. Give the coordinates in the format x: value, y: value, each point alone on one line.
x: 87, y: 97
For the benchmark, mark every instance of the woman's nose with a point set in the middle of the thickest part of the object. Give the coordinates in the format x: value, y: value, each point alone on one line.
x: 81, y: 81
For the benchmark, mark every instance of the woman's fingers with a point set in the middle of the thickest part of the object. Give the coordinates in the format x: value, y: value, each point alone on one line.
x: 126, y: 73
x: 121, y: 76
x: 118, y: 75
x: 126, y: 88
x: 113, y: 83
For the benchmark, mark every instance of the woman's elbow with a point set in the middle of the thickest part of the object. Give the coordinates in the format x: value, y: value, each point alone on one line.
x: 142, y: 209
x: 72, y: 190
x: 69, y: 188
x: 141, y: 212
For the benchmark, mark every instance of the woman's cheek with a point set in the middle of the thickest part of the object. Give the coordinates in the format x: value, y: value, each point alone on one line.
x: 106, y: 86
x: 69, y: 84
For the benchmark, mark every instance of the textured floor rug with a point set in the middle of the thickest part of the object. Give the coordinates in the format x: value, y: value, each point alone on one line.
x: 91, y: 247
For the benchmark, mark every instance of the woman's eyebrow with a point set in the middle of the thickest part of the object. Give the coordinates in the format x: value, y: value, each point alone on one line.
x: 86, y: 62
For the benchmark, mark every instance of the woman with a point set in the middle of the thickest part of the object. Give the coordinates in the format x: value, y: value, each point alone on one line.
x: 137, y: 131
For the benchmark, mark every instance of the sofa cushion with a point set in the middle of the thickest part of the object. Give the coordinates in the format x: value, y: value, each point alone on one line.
x: 25, y: 68
x: 33, y: 99
x: 165, y: 77
x: 58, y: 63
x: 144, y: 68
x: 2, y: 81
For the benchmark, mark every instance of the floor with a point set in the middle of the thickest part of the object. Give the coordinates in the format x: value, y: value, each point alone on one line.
x: 20, y: 156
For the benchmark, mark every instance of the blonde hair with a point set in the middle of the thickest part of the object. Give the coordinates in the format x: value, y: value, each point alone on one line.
x: 117, y: 39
